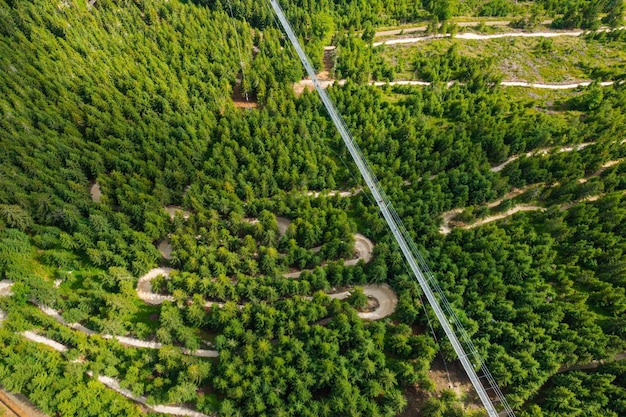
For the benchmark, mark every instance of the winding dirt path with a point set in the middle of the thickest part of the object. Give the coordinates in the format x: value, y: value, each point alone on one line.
x: 509, y: 212
x: 333, y: 193
x: 387, y: 299
x: 444, y: 229
x: 407, y: 30
x: 587, y: 199
x: 448, y: 216
x: 59, y: 319
x: 144, y: 287
x: 308, y: 84
x: 114, y: 383
x: 161, y: 409
x: 476, y: 36
x: 541, y: 152
x: 592, y: 364
x: 124, y: 340
x: 545, y: 86
x: 325, y: 81
x: 602, y: 168
x: 555, y: 86
x: 34, y: 337
x: 281, y: 222
x: 479, y: 36
x: 363, y: 247
x: 165, y: 248
x: 388, y: 304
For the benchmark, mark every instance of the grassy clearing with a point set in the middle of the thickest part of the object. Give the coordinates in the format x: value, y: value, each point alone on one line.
x: 548, y: 60
x: 552, y: 102
x: 535, y: 100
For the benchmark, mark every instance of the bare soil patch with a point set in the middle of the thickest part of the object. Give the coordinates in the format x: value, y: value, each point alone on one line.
x: 329, y: 63
x: 415, y: 400
x: 5, y: 287
x: 455, y: 378
x: 172, y: 210
x: 4, y: 411
x: 17, y: 405
x: 445, y: 228
x: 510, y: 212
x: 240, y: 100
x: 599, y: 172
x: 96, y: 193
x: 283, y: 224
x: 323, y: 76
x: 372, y: 305
x: 165, y: 248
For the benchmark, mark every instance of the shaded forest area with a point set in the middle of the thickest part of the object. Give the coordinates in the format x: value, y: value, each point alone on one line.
x: 137, y: 97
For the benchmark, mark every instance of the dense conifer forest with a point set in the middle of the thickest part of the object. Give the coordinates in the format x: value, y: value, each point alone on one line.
x: 124, y: 130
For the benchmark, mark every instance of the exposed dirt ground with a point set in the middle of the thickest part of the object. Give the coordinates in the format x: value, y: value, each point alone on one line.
x: 96, y: 194
x: 329, y: 62
x: 363, y: 248
x: 410, y: 29
x: 386, y: 298
x: 324, y: 75
x: 478, y: 36
x: 510, y: 212
x: 6, y: 411
x: 16, y: 405
x: 165, y: 248
x: 240, y: 101
x: 457, y: 381
x: 372, y: 305
x: 455, y: 378
x: 283, y: 224
x: 171, y: 210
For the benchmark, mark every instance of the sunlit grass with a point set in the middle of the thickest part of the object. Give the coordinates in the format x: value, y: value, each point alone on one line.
x: 549, y: 60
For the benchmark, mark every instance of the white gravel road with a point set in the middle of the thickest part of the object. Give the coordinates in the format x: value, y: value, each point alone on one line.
x: 479, y: 36
x: 386, y: 297
x: 364, y: 248
x: 44, y: 340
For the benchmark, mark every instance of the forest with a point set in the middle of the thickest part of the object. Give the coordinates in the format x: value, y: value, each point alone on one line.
x: 140, y: 100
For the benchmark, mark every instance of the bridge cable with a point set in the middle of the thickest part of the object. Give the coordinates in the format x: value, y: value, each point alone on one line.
x: 241, y: 62
x: 446, y: 315
x: 430, y: 323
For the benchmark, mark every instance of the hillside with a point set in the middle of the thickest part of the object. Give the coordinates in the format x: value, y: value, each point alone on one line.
x: 183, y: 234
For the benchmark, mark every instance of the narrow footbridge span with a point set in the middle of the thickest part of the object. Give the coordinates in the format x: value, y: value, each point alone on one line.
x: 495, y: 403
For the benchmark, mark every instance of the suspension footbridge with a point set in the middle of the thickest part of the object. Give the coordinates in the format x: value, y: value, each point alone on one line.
x: 485, y: 385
